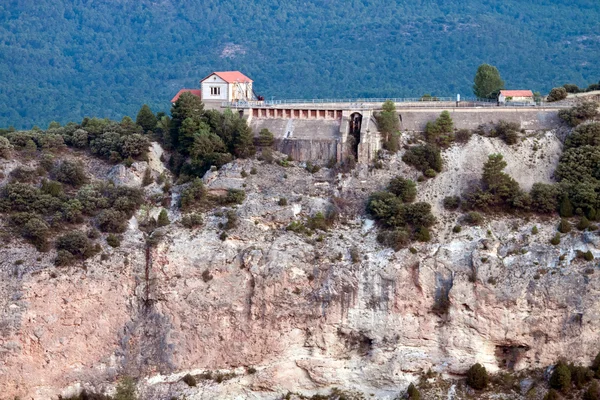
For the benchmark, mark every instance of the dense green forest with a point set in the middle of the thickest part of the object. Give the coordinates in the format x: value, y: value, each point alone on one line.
x: 63, y: 60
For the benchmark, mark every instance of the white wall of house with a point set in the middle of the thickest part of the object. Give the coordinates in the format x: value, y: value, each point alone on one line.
x: 214, y: 84
x: 241, y: 91
x: 516, y: 99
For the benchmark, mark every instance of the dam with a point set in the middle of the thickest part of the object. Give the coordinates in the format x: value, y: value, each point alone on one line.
x: 319, y: 131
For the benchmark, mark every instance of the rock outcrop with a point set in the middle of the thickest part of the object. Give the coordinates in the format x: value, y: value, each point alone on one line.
x: 270, y: 311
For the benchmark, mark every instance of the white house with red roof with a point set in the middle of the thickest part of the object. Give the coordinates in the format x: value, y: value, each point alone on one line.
x: 226, y: 86
x: 516, y: 96
x: 220, y: 87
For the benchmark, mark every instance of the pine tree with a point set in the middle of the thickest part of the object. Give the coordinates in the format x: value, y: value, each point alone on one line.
x: 187, y: 106
x: 163, y: 218
x: 146, y: 118
x: 566, y: 208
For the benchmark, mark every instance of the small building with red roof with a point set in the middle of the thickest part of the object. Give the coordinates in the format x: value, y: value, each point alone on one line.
x: 222, y: 87
x: 195, y: 92
x: 516, y: 96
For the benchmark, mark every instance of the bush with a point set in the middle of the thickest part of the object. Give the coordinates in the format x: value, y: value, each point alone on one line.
x: 147, y: 179
x: 583, y: 224
x: 163, y: 218
x: 396, y: 239
x: 592, y: 392
x: 457, y: 229
x: 234, y: 196
x: 413, y: 392
x: 561, y: 378
x: 556, y: 94
x: 405, y: 189
x: 556, y: 239
x: 580, y: 113
x: 317, y: 222
x: 192, y: 220
x: 125, y: 389
x: 424, y: 157
x: 232, y: 220
x: 544, y: 197
x: 588, y: 256
x: 113, y: 240
x: 564, y: 226
x: 189, y: 380
x: 5, y: 148
x: 423, y: 235
x: 584, y: 135
x: 111, y: 220
x: 451, y: 202
x: 76, y: 243
x: 552, y: 395
x: 265, y: 138
x: 477, y: 377
x: 63, y: 258
x: 534, y: 230
x: 463, y: 136
x: 430, y: 173
x: 508, y: 131
x: 71, y: 173
x: 282, y: 201
x: 440, y: 131
x: 354, y: 254
x: 193, y: 195
x: 37, y: 232
x: 474, y: 218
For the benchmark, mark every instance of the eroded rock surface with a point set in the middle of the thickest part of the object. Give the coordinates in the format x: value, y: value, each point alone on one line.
x: 299, y: 310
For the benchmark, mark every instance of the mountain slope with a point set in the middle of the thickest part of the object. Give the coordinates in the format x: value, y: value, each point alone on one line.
x: 62, y: 60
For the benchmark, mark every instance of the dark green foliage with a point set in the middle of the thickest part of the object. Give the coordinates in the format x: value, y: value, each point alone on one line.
x: 487, y: 82
x: 193, y: 195
x: 582, y: 135
x: 113, y: 240
x: 571, y: 88
x: 566, y: 208
x: 592, y: 392
x: 395, y: 238
x: 265, y: 138
x: 508, y: 131
x: 555, y: 239
x: 234, y: 196
x: 317, y: 222
x: 76, y: 243
x: 556, y: 94
x: 424, y: 157
x: 413, y: 393
x: 163, y: 218
x: 423, y: 235
x: 580, y: 113
x: 146, y: 118
x: 457, y: 229
x: 192, y: 220
x: 580, y: 375
x: 112, y: 220
x: 545, y: 197
x: 5, y: 147
x: 451, y: 202
x: 440, y: 132
x: 552, y: 395
x: 463, y: 136
x: 583, y: 224
x: 71, y: 173
x: 561, y: 378
x: 474, y: 218
x: 498, y: 189
x: 189, y: 380
x: 282, y: 201
x: 588, y: 256
x: 232, y: 220
x: 404, y: 189
x: 147, y: 179
x: 388, y: 124
x: 477, y: 377
x: 564, y: 226
x: 36, y: 231
x: 534, y: 230
x: 126, y: 389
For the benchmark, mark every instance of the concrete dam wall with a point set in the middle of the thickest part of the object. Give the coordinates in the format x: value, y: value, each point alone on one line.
x: 317, y: 135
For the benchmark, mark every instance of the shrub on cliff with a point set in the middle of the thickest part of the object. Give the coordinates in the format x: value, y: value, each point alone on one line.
x: 413, y: 393
x: 192, y: 195
x: 584, y: 135
x: 424, y: 157
x: 561, y: 378
x: 592, y: 392
x: 440, y: 132
x: 477, y: 377
x: 163, y: 218
x: 5, y: 147
x: 388, y: 124
x: 552, y: 395
x: 71, y: 173
x: 580, y: 113
x: 564, y: 226
x: 508, y: 131
x: 76, y: 243
x: 451, y: 202
x: 405, y: 189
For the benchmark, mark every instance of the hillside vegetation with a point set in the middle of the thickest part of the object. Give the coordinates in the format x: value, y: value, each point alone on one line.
x: 66, y: 60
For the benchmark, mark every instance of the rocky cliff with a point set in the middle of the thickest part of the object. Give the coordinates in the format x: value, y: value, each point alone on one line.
x: 265, y: 311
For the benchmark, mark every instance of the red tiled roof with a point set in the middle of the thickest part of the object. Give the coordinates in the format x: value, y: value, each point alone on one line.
x: 517, y: 93
x: 230, y: 76
x: 195, y: 92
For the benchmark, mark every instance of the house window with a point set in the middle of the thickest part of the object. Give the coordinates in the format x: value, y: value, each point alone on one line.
x: 215, y: 91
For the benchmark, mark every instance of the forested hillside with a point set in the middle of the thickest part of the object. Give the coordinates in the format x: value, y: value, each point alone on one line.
x: 62, y: 60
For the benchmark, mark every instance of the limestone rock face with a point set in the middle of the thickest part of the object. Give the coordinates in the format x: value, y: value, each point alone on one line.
x: 269, y: 311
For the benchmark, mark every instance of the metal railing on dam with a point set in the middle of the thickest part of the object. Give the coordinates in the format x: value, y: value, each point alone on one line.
x: 375, y: 103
